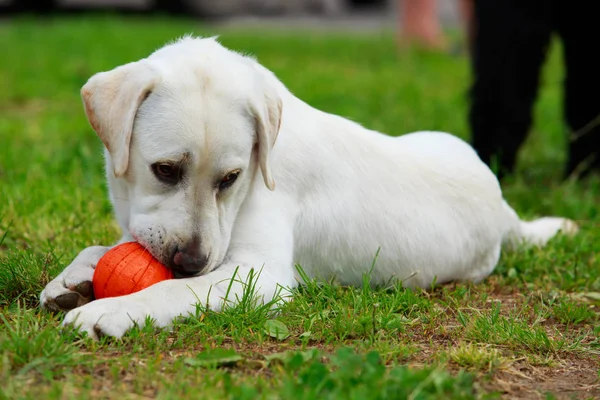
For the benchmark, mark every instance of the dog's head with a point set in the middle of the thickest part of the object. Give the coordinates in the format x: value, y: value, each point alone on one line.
x: 187, y: 132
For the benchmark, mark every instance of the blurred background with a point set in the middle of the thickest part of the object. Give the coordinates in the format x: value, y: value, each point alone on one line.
x: 355, y: 15
x: 224, y: 8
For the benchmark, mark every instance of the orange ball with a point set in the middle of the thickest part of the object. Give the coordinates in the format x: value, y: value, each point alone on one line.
x: 125, y: 269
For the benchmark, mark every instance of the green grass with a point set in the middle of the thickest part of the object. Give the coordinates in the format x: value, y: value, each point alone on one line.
x: 531, y: 329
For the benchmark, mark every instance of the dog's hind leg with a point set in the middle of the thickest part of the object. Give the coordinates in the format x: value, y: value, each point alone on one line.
x: 487, y: 264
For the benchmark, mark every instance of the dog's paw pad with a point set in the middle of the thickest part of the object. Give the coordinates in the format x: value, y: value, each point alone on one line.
x: 79, y: 295
x: 67, y: 301
x: 85, y: 289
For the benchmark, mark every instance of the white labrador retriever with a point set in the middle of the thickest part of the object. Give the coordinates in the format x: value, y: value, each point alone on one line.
x: 213, y: 164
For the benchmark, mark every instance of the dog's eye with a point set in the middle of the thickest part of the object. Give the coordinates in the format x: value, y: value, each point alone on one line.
x: 229, y: 179
x: 168, y: 173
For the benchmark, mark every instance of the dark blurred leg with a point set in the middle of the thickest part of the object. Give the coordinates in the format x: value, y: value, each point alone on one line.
x: 29, y: 6
x: 577, y: 25
x: 175, y: 7
x: 510, y: 42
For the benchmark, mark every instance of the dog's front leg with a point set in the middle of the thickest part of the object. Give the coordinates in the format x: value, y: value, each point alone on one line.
x: 167, y: 300
x: 265, y: 252
x: 73, y: 286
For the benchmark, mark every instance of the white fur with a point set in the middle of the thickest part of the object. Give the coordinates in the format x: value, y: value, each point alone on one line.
x: 316, y: 189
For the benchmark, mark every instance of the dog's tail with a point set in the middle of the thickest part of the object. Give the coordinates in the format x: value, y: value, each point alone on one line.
x: 537, y: 232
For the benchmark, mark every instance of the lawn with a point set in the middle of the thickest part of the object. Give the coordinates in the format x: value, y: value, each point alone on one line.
x: 529, y: 331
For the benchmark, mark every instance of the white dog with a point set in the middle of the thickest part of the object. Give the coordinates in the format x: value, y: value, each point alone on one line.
x: 214, y: 166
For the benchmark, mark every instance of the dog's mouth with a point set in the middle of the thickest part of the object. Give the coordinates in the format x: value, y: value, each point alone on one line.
x: 181, y: 274
x: 181, y: 266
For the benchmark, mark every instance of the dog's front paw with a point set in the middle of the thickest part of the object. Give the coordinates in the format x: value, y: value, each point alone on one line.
x: 58, y: 295
x: 73, y: 287
x: 112, y: 316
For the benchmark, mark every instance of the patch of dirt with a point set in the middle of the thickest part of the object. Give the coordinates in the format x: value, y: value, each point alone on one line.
x: 575, y: 378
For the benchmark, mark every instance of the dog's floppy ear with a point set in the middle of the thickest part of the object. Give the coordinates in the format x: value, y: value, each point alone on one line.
x: 266, y: 108
x: 111, y: 100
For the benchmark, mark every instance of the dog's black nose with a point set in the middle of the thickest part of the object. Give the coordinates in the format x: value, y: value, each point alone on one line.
x: 189, y: 263
x: 188, y: 259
